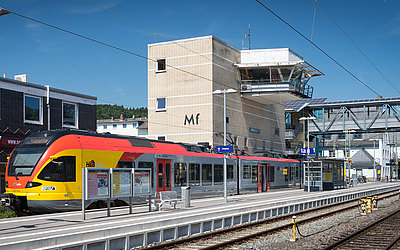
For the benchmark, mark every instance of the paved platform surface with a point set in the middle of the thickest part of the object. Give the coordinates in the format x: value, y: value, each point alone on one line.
x: 24, y: 229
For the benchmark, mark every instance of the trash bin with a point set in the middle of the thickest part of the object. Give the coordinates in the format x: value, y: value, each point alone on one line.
x: 186, y: 196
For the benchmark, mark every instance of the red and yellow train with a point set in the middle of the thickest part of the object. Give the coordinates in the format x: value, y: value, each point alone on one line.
x: 44, y: 172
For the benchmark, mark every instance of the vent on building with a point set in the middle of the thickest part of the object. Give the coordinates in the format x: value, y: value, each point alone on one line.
x: 22, y: 78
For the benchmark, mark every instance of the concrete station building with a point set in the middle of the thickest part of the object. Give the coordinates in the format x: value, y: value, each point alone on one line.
x: 183, y: 74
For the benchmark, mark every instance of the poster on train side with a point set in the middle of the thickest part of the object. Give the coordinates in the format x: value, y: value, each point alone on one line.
x: 142, y: 182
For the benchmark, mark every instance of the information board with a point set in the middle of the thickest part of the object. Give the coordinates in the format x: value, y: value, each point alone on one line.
x: 98, y: 183
x: 142, y: 183
x: 122, y: 182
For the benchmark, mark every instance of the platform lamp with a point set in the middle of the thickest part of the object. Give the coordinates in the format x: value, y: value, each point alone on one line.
x: 4, y: 12
x: 224, y: 92
x: 374, y: 158
x: 308, y: 148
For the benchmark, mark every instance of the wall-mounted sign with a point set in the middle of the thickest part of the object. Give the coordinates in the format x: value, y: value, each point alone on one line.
x: 254, y: 130
x: 191, y: 119
x: 10, y: 142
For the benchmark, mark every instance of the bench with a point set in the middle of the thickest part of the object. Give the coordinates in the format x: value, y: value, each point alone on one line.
x: 163, y: 197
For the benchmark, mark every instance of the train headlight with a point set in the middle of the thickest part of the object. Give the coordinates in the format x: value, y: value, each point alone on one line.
x: 6, y: 184
x: 32, y: 184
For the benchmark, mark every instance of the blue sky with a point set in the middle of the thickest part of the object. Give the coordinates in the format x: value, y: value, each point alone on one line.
x: 71, y: 63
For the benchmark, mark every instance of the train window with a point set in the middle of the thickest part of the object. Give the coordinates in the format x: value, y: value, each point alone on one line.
x: 147, y: 164
x: 160, y: 175
x: 272, y: 173
x: 229, y: 172
x: 168, y: 174
x: 194, y: 174
x: 180, y: 174
x: 60, y: 169
x: 206, y: 170
x: 254, y: 174
x: 218, y: 174
x: 126, y: 164
x: 246, y: 172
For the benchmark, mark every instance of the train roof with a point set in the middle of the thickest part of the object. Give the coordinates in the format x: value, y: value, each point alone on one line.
x: 46, y: 138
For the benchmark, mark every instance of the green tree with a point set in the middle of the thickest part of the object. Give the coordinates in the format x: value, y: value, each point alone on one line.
x: 105, y: 111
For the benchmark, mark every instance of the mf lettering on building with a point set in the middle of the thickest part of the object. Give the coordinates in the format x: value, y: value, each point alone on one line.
x: 191, y: 119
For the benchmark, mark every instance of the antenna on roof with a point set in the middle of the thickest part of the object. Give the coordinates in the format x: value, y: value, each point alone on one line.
x: 246, y: 35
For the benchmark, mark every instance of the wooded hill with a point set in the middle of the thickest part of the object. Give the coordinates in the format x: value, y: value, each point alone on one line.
x: 105, y: 111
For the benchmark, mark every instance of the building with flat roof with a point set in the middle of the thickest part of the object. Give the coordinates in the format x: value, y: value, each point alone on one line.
x: 123, y: 126
x: 184, y: 77
x: 27, y: 108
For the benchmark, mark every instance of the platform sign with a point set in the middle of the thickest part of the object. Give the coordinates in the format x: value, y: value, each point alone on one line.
x: 303, y: 151
x: 224, y: 149
x: 142, y: 182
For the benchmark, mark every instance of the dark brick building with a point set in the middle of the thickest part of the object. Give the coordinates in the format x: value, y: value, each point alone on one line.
x: 24, y: 109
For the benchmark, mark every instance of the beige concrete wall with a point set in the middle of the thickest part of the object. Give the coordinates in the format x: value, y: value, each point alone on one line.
x: 186, y: 94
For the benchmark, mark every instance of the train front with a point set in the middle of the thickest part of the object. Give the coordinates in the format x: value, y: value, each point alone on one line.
x: 26, y: 175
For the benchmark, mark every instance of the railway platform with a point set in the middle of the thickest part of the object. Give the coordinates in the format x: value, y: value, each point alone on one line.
x: 124, y: 231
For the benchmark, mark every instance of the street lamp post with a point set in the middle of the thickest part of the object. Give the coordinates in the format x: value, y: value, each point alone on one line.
x: 347, y: 155
x: 374, y: 157
x: 308, y: 148
x: 224, y: 92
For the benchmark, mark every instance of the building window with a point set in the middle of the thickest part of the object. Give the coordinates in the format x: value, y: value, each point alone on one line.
x: 114, y: 125
x: 161, y: 65
x: 33, y: 109
x: 70, y: 117
x: 104, y: 126
x: 161, y: 104
x: 123, y: 125
x: 134, y: 124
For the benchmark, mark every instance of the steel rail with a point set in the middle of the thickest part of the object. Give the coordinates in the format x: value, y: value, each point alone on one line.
x: 362, y: 230
x: 174, y: 243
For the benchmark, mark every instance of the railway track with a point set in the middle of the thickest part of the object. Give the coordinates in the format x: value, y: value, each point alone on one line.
x: 382, y: 234
x: 230, y: 237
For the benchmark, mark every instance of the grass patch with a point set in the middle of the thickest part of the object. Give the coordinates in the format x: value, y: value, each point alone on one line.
x: 6, y: 212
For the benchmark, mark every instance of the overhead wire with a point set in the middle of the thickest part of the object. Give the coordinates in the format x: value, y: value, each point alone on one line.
x: 358, y: 47
x: 117, y: 48
x: 319, y: 48
x: 167, y: 39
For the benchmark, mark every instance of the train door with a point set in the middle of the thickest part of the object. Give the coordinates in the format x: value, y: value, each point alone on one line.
x: 259, y: 178
x: 163, y: 175
x: 268, y: 179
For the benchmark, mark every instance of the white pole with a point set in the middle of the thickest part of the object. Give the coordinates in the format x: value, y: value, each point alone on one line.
x: 225, y: 188
x: 48, y: 106
x: 374, y: 163
x: 308, y: 151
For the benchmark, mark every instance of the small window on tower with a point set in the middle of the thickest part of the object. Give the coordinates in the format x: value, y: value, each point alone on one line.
x: 161, y: 104
x: 161, y: 65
